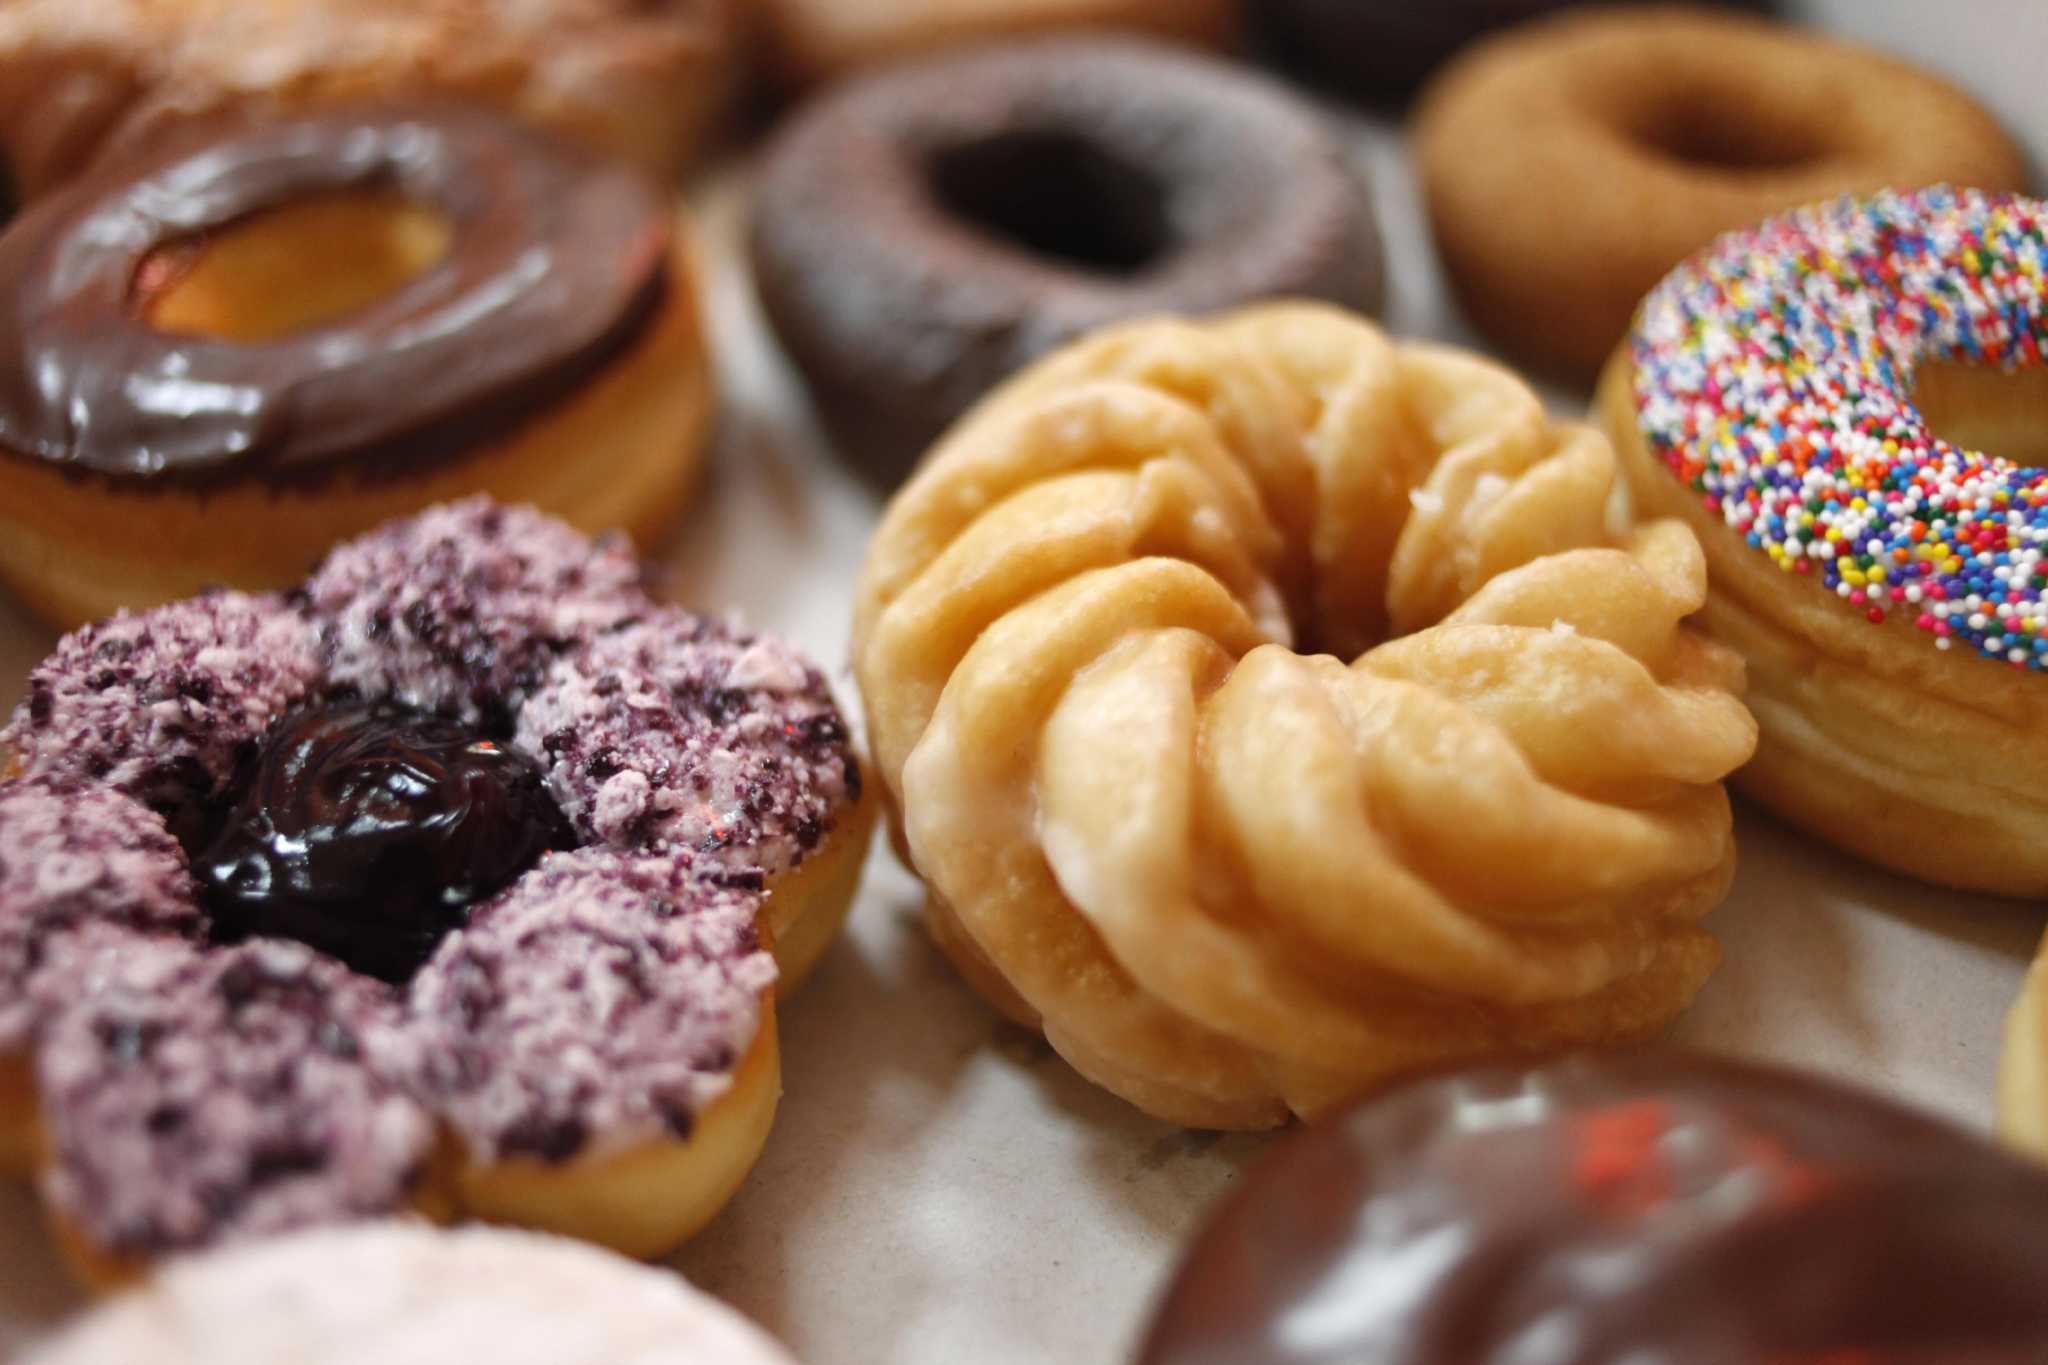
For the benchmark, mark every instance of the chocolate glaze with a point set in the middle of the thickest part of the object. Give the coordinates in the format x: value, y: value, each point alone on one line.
x: 368, y: 829
x: 557, y: 262
x: 1644, y: 1209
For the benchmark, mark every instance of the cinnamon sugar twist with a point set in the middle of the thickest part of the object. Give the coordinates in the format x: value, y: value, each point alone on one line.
x: 1231, y: 878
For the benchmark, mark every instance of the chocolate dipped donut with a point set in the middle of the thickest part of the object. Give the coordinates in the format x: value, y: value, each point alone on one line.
x: 1570, y: 162
x: 183, y: 401
x: 1641, y: 1208
x: 1382, y: 50
x: 324, y: 906
x: 924, y: 232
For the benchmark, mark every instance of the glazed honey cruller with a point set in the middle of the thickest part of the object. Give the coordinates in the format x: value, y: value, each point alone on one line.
x: 1230, y: 876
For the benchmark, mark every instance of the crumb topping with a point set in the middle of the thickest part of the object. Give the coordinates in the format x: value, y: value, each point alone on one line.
x: 601, y: 1000
x: 165, y: 704
x: 463, y: 607
x: 679, y: 733
x: 197, y: 1097
x: 71, y: 858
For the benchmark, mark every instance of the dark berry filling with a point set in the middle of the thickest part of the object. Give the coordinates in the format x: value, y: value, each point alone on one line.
x: 367, y: 830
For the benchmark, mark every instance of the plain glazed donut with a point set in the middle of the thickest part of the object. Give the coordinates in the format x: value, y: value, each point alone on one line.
x: 1570, y: 163
x: 814, y: 40
x: 2023, y: 1065
x: 1230, y: 880
x: 448, y: 882
x: 399, y: 1294
x: 1636, y: 1208
x: 639, y: 80
x: 1845, y: 404
x: 185, y: 403
x: 922, y: 233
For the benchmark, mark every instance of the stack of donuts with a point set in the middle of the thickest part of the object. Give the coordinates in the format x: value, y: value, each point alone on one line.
x: 1294, y: 722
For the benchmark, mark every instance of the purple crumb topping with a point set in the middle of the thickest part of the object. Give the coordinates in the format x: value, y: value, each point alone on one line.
x: 164, y: 705
x: 599, y: 1001
x: 463, y: 607
x: 680, y: 734
x: 70, y: 858
x: 193, y: 1098
x: 197, y: 1093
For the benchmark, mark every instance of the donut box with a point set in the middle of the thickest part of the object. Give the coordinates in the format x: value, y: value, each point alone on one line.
x: 940, y: 1185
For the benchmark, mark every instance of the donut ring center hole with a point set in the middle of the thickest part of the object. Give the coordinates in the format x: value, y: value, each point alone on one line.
x: 289, y: 269
x: 2003, y: 413
x: 1057, y: 195
x: 1717, y: 131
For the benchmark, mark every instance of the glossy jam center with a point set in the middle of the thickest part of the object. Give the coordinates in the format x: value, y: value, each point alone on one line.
x: 367, y: 829
x: 288, y: 269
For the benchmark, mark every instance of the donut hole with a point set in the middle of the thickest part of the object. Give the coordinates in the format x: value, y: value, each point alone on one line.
x: 1057, y: 195
x: 289, y: 269
x: 2003, y: 413
x: 1717, y: 131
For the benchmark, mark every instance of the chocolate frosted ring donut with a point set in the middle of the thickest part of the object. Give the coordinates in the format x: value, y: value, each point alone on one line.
x: 923, y: 233
x: 1631, y: 1208
x: 294, y: 331
x: 553, y: 263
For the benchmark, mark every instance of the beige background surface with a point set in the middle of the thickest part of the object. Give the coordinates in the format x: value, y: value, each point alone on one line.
x: 939, y: 1187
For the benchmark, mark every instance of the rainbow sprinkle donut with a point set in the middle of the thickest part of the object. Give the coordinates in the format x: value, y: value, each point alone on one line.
x: 1772, y: 376
x: 1818, y: 397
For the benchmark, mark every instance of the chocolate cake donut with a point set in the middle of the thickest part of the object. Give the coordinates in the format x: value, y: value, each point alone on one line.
x: 299, y: 329
x: 1641, y: 1208
x: 323, y: 905
x: 921, y: 233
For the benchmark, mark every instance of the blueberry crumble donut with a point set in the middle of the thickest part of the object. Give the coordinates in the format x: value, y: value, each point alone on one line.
x: 460, y: 879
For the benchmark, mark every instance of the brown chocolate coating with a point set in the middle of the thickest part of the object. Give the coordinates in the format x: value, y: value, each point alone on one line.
x: 556, y: 262
x: 1639, y: 1208
x: 922, y: 233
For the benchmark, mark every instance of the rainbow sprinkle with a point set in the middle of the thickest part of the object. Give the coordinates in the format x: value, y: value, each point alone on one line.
x: 1772, y: 374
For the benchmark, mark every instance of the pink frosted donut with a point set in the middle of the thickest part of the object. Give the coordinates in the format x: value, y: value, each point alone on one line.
x: 400, y: 1294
